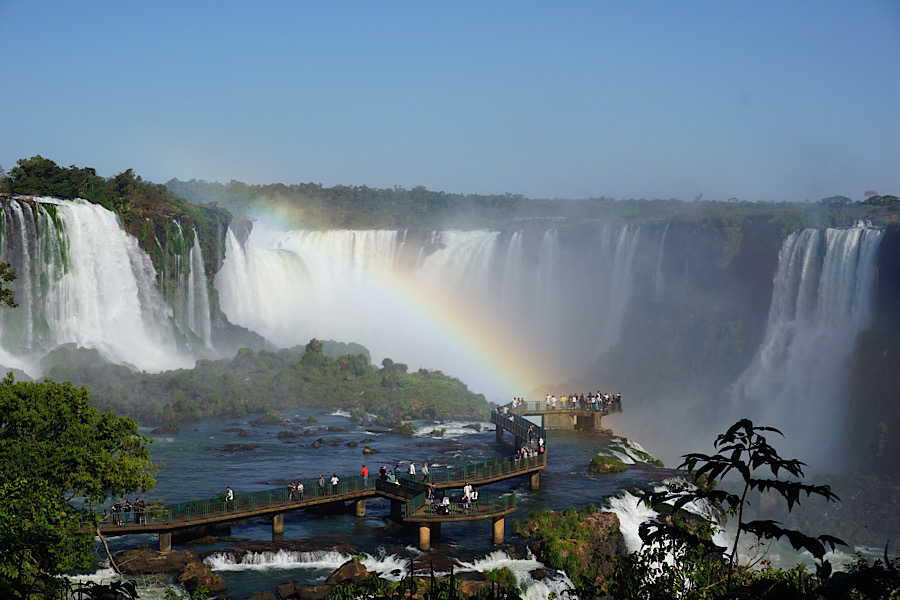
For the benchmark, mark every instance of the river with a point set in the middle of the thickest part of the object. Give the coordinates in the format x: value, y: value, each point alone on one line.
x: 194, y: 464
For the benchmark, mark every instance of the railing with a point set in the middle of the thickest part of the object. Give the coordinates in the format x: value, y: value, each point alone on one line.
x: 519, y: 426
x: 531, y: 406
x: 487, y: 503
x: 409, y: 488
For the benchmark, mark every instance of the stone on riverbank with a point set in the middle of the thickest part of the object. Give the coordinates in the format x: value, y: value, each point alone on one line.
x: 141, y: 562
x: 196, y: 574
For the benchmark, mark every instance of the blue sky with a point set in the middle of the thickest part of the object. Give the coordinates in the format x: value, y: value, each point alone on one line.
x: 755, y: 100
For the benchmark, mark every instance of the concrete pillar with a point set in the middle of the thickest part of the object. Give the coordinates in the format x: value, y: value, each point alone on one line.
x: 498, y: 530
x: 165, y: 541
x: 396, y: 510
x: 424, y: 537
x: 360, y: 507
x: 498, y: 431
x: 278, y: 523
x: 535, y: 481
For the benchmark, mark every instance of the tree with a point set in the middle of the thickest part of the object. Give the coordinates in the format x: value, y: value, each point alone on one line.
x: 58, y: 460
x: 743, y: 450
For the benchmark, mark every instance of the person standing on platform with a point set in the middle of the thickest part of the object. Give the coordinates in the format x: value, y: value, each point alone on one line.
x: 425, y: 473
x: 365, y: 476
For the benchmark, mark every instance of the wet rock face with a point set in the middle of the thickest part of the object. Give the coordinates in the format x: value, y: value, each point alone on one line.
x: 349, y: 572
x: 140, y: 562
x: 196, y: 574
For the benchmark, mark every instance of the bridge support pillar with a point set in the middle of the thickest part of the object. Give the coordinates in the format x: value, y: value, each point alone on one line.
x: 499, y: 524
x: 535, y: 481
x: 498, y: 431
x: 396, y: 510
x: 278, y: 524
x: 360, y: 506
x: 424, y: 537
x: 165, y: 541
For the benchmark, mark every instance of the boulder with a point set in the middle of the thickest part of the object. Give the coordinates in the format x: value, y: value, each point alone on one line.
x: 196, y: 574
x: 319, y: 442
x: 286, y: 589
x: 263, y: 596
x: 336, y: 429
x: 368, y: 450
x: 167, y: 428
x: 140, y: 562
x: 352, y: 444
x: 350, y: 572
x: 289, y: 434
x: 312, y: 592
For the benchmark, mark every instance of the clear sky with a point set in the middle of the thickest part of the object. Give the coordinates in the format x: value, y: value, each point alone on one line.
x: 762, y: 100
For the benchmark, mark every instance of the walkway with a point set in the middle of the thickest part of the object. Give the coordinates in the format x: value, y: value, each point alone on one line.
x: 407, y: 496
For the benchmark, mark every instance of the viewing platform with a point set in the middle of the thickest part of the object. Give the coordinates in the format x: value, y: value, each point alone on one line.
x: 571, y: 416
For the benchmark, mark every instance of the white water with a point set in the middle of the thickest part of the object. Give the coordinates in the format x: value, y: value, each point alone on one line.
x: 93, y: 286
x: 426, y: 301
x: 822, y: 299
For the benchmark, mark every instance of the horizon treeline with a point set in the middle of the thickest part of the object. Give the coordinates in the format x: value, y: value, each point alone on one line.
x: 313, y: 206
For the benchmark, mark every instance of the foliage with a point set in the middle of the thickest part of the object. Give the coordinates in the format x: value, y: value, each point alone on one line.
x: 312, y: 205
x: 147, y: 210
x: 607, y: 464
x: 257, y: 382
x: 682, y: 562
x: 55, y: 448
x: 7, y: 295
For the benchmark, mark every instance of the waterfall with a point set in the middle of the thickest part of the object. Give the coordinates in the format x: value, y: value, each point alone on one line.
x: 823, y: 297
x: 424, y: 298
x: 659, y: 278
x: 83, y: 280
x: 198, y: 296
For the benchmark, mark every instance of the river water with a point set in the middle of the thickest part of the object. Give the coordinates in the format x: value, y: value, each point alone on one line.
x: 194, y: 464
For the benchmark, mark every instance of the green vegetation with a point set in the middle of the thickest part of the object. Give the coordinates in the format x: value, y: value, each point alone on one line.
x: 148, y: 211
x: 607, y: 464
x: 58, y: 458
x: 361, y: 207
x: 266, y: 381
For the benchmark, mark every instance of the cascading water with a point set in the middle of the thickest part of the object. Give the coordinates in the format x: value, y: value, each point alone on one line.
x: 822, y: 299
x: 83, y: 280
x: 562, y: 298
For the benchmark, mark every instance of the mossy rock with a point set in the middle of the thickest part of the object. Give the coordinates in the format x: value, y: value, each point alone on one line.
x: 606, y: 464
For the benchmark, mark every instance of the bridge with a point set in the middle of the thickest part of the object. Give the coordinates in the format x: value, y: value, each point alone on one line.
x: 409, y: 498
x: 572, y: 416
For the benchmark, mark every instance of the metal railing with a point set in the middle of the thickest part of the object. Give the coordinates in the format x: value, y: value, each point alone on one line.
x: 487, y: 503
x: 533, y: 406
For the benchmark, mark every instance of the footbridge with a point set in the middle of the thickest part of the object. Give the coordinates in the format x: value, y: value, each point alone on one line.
x: 413, y: 500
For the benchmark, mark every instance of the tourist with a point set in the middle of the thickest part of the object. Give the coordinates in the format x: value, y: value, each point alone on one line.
x: 473, y: 497
x: 229, y: 498
x: 365, y: 476
x: 321, y: 485
x: 139, y: 511
x: 299, y: 490
x: 382, y: 472
x: 424, y: 472
x: 116, y: 511
x: 126, y: 510
x: 334, y: 482
x: 412, y: 470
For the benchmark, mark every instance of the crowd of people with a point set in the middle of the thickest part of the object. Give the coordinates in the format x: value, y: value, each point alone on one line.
x: 590, y: 401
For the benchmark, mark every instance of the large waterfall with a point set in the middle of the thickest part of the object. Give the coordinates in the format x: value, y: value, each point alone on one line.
x: 83, y: 280
x: 451, y: 300
x: 503, y: 311
x: 822, y: 299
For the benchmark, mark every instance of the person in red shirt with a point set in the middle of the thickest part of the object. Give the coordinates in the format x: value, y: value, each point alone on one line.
x: 365, y: 476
